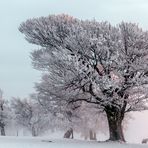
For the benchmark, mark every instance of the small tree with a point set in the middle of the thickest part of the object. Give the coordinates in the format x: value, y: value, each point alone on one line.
x: 29, y: 115
x: 4, y: 114
x: 93, y: 62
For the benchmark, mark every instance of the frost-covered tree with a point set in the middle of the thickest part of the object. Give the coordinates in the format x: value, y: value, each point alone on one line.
x: 93, y: 62
x: 58, y: 118
x: 5, y: 116
x: 90, y: 121
x: 29, y: 115
x: 84, y: 119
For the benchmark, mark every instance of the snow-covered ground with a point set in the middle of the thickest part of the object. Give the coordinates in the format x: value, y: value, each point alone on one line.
x: 26, y: 142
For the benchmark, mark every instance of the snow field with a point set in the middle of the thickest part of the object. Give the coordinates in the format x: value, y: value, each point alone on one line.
x: 29, y: 142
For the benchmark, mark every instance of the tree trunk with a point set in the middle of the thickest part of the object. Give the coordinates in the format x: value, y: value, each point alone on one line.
x: 91, y: 137
x: 34, y: 134
x: 3, y: 131
x: 85, y: 137
x: 115, y: 118
x: 95, y: 137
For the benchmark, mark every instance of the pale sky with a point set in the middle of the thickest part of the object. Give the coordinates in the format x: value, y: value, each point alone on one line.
x: 17, y: 76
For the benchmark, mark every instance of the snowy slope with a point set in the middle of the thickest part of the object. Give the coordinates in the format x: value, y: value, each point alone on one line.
x: 17, y: 142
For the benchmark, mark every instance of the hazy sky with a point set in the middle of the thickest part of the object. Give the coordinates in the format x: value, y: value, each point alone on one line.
x: 17, y: 76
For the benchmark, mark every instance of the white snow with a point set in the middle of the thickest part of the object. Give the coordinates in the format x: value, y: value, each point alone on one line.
x: 29, y: 142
